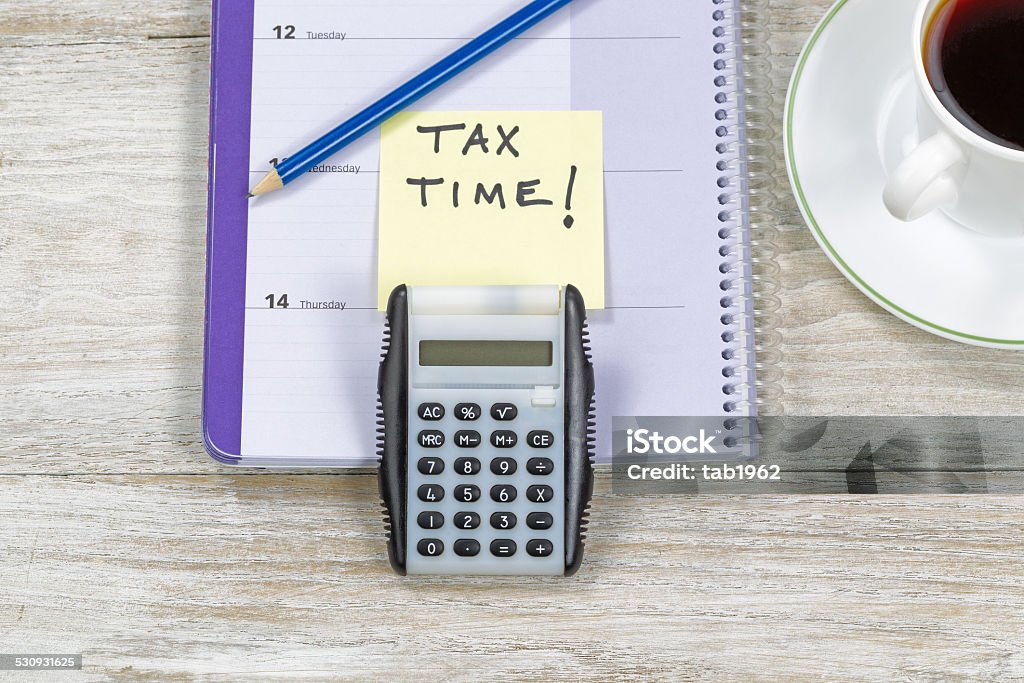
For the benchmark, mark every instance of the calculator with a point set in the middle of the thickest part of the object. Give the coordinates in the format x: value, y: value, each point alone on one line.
x: 485, y: 429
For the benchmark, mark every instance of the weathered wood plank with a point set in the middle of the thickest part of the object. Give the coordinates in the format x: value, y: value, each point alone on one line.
x: 45, y: 22
x: 286, y: 576
x: 102, y: 239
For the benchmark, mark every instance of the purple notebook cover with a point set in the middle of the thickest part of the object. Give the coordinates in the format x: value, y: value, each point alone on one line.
x: 227, y: 223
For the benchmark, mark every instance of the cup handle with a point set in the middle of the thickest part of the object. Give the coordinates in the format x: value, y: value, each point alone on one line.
x: 926, y: 180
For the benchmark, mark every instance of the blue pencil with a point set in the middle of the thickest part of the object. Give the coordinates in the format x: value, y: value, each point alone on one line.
x: 297, y: 164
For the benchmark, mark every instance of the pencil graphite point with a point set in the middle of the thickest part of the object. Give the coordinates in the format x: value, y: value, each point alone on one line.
x: 270, y: 183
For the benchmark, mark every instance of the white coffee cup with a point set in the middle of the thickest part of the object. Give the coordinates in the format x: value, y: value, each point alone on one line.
x: 975, y: 181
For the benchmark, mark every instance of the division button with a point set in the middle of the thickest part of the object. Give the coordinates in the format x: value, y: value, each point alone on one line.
x: 540, y: 494
x: 430, y: 465
x: 540, y: 438
x: 503, y: 493
x: 539, y: 547
x: 430, y: 520
x: 466, y: 547
x: 466, y: 520
x: 467, y: 412
x: 504, y: 466
x: 431, y: 438
x: 503, y: 412
x: 467, y: 493
x: 467, y: 438
x: 503, y: 438
x: 540, y: 466
x: 540, y: 521
x: 503, y: 520
x: 503, y: 547
x: 431, y: 412
x: 430, y: 493
x: 431, y: 547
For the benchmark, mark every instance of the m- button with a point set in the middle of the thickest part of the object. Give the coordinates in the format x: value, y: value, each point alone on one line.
x: 540, y: 438
x: 467, y: 438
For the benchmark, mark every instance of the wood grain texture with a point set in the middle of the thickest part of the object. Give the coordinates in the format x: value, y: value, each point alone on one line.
x: 166, y: 577
x: 120, y: 538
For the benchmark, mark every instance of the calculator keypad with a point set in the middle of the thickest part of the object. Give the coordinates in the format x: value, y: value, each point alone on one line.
x: 487, y: 488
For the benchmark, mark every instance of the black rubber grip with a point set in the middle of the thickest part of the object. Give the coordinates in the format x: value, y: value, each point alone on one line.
x: 392, y: 424
x: 579, y: 428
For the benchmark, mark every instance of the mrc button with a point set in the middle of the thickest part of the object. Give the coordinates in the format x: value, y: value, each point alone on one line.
x: 540, y: 438
x: 431, y: 438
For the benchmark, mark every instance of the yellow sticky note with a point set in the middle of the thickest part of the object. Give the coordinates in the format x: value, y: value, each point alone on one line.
x: 492, y: 198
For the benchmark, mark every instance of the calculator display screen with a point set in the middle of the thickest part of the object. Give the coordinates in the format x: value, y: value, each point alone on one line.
x: 487, y: 353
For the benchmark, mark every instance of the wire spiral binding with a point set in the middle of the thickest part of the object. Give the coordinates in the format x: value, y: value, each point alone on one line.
x: 746, y: 160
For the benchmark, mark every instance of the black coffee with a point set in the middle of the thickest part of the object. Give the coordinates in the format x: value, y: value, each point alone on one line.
x: 974, y: 56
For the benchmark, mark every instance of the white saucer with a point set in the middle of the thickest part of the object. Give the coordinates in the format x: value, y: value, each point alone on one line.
x: 850, y: 116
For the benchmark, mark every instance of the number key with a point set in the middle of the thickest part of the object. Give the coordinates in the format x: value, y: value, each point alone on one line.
x: 503, y: 493
x: 466, y: 520
x: 430, y: 493
x: 467, y: 466
x: 467, y: 493
x: 430, y: 465
x: 503, y: 520
x: 430, y: 520
x: 431, y: 547
x: 503, y: 466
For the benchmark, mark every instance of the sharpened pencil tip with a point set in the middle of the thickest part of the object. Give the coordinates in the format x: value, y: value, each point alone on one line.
x: 270, y: 183
x: 250, y: 195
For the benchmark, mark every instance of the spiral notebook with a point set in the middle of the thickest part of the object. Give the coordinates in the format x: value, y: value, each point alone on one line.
x: 296, y: 386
